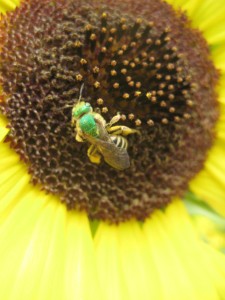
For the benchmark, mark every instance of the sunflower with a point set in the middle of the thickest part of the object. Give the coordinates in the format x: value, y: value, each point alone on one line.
x: 73, y: 229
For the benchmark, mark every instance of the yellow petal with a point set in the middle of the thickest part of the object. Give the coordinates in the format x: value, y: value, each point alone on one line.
x: 209, y: 184
x: 42, y: 244
x: 215, y: 33
x: 218, y: 54
x: 191, y: 6
x: 210, y: 191
x: 179, y: 3
x: 188, y: 6
x: 168, y: 260
x: 108, y: 263
x: 164, y: 254
x: 6, y: 5
x: 210, y: 226
x: 189, y: 252
x: 215, y: 262
x: 207, y: 15
x: 3, y: 129
x: 125, y: 268
x: 80, y: 278
x: 137, y: 268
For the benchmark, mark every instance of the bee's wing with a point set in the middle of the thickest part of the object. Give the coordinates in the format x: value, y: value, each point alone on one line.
x: 116, y: 157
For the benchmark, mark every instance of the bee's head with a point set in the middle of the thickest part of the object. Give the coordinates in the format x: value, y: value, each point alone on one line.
x: 80, y: 109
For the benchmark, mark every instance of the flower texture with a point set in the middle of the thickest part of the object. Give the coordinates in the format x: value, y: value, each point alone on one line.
x: 72, y: 228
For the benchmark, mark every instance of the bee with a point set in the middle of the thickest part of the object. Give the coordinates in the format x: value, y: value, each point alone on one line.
x: 106, y: 140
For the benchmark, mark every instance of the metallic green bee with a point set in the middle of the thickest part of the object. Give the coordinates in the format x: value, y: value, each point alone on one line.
x: 105, y: 139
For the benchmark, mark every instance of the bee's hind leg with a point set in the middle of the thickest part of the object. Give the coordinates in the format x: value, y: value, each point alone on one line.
x: 119, y: 129
x: 114, y: 120
x: 122, y: 130
x: 93, y: 154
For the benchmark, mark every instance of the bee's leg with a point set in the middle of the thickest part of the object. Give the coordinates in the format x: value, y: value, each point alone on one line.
x: 122, y: 130
x: 79, y: 135
x: 79, y: 138
x: 93, y: 154
x: 114, y: 120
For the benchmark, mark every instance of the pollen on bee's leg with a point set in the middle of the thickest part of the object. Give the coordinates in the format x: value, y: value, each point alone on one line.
x: 79, y: 138
x: 93, y: 155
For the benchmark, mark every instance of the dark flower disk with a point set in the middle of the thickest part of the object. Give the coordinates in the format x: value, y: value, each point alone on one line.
x: 140, y: 59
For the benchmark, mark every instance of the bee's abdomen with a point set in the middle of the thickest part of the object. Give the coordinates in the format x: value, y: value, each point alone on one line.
x: 119, y: 141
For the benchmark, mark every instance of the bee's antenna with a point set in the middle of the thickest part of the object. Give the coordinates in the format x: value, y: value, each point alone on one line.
x: 81, y: 91
x: 66, y: 106
x: 71, y: 105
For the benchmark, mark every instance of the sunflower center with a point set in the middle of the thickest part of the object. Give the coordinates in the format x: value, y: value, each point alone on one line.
x: 154, y: 70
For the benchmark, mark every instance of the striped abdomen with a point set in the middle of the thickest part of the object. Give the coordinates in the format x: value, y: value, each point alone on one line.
x: 119, y: 141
